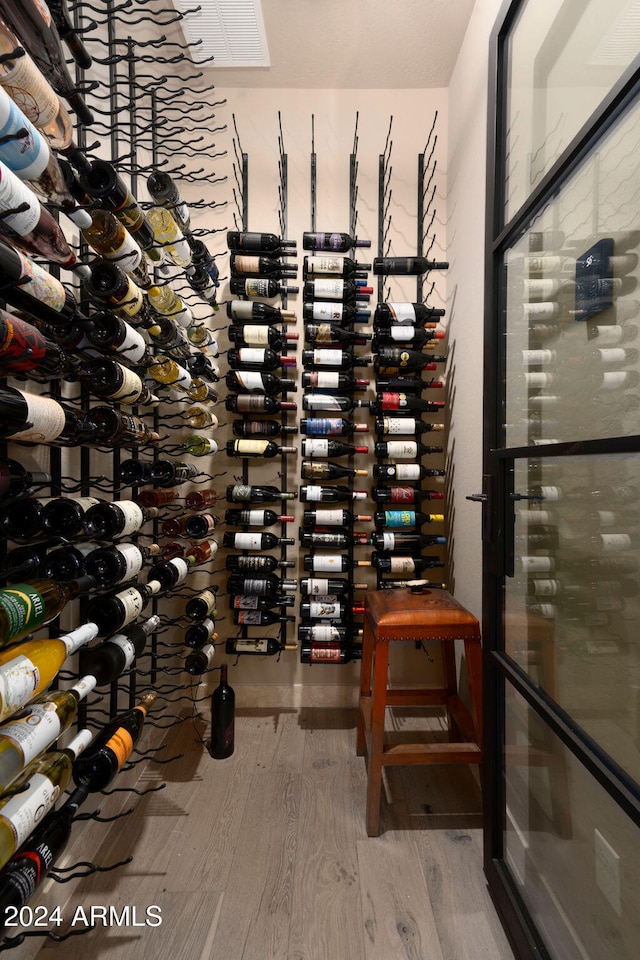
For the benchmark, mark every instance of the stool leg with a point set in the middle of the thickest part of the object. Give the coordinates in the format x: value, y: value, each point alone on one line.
x: 451, y: 684
x: 376, y: 746
x: 365, y: 683
x: 473, y: 654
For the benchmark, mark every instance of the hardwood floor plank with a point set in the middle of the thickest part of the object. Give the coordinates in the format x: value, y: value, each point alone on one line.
x: 397, y: 916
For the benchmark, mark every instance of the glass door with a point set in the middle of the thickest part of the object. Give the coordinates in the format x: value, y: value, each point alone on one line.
x: 562, y: 468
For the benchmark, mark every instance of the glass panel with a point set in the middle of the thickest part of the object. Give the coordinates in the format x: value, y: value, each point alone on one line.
x: 572, y: 610
x: 571, y: 304
x: 574, y: 856
x: 563, y: 58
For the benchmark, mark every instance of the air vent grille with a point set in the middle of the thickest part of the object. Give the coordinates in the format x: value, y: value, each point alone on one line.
x: 232, y: 31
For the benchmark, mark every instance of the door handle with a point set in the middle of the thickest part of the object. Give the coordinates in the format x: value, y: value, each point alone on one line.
x: 477, y: 497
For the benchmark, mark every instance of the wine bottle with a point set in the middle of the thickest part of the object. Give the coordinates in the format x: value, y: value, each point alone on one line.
x: 256, y: 288
x: 31, y: 21
x: 332, y: 380
x: 21, y: 520
x: 321, y: 449
x: 201, y: 392
x: 200, y: 280
x: 199, y: 418
x: 46, y: 777
x: 330, y: 610
x: 414, y: 337
x: 166, y: 371
x: 247, y: 265
x: 200, y: 446
x: 16, y: 480
x: 333, y: 358
x: 403, y: 449
x: 333, y: 242
x: 321, y: 517
x: 407, y: 385
x: 263, y: 586
x: 111, y: 333
x: 39, y: 294
x: 344, y: 267
x: 329, y: 653
x: 112, y: 747
x: 404, y: 565
x: 252, y: 563
x: 249, y: 601
x: 394, y: 360
x: 168, y: 473
x: 345, y: 291
x: 223, y: 702
x: 335, y: 312
x: 406, y: 266
x: 261, y: 428
x: 405, y: 518
x: 115, y: 429
x: 200, y: 525
x: 256, y: 403
x: 26, y: 669
x: 201, y: 499
x: 256, y: 358
x: 330, y: 541
x: 25, y: 607
x: 200, y: 661
x: 102, y: 182
x: 256, y: 448
x: 404, y: 426
x: 258, y: 312
x: 259, y: 618
x: 112, y: 241
x: 167, y: 302
x: 64, y: 516
x: 241, y: 381
x: 254, y: 541
x: 203, y: 259
x: 200, y: 607
x: 399, y: 494
x: 326, y: 470
x: 26, y: 352
x: 121, y: 518
x: 404, y: 471
x: 199, y: 336
x: 110, y: 286
x: 326, y: 402
x: 200, y: 633
x: 201, y: 366
x: 404, y: 403
x: 324, y: 633
x: 168, y: 338
x: 111, y: 613
x: 261, y: 335
x: 331, y: 333
x: 25, y: 738
x: 24, y: 563
x: 168, y: 236
x: 331, y: 426
x: 155, y: 498
x: 415, y: 314
x: 258, y: 646
x: 239, y: 493
x: 258, y: 242
x: 392, y: 542
x: 165, y: 192
x: 323, y: 586
x: 111, y: 658
x: 330, y: 562
x: 321, y: 494
x: 108, y: 378
x: 170, y: 573
x: 110, y: 566
x: 259, y: 518
x: 30, y: 418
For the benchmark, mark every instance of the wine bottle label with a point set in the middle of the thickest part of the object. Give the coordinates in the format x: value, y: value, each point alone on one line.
x: 256, y: 288
x: 240, y: 491
x: 133, y: 344
x: 249, y: 617
x: 27, y: 157
x: 402, y: 312
x: 407, y: 471
x: 334, y: 265
x: 403, y: 494
x: 133, y: 560
x: 242, y: 310
x: 323, y: 334
x: 327, y: 311
x: 132, y: 604
x: 248, y: 403
x: 331, y: 289
x: 613, y: 380
x: 612, y: 333
x: 324, y: 426
x: 402, y: 334
x: 546, y: 588
x: 326, y: 654
x: 130, y: 388
x: 78, y: 637
x: 535, y: 358
x: 42, y: 285
x: 29, y: 90
x: 541, y: 311
x: 250, y: 380
x: 131, y: 216
x: 613, y: 355
x: 133, y: 301
x: 14, y: 193
x: 606, y: 518
x: 546, y: 610
x: 541, y: 517
x: 403, y: 450
x: 399, y: 425
x: 252, y: 646
x: 314, y: 493
x: 329, y: 517
x: 388, y: 541
x: 316, y: 448
x: 19, y: 680
x: 121, y: 743
x: 260, y: 587
x: 328, y: 358
x: 132, y: 516
x: 320, y: 610
x: 327, y: 563
x: 399, y: 518
x: 536, y: 564
x: 324, y: 633
x: 615, y: 541
x: 22, y: 812
x: 402, y: 565
x: 245, y: 601
x: 327, y: 539
x: 256, y: 447
x: 317, y: 586
x: 251, y: 355
x: 128, y: 255
x: 329, y: 241
x: 209, y: 599
x: 23, y: 608
x: 247, y: 541
x: 317, y: 471
x: 247, y: 264
x: 253, y: 517
x: 551, y: 493
x: 35, y: 732
x: 126, y: 646
x: 256, y: 333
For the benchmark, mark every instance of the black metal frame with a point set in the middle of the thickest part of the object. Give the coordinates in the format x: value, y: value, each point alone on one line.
x: 497, y: 461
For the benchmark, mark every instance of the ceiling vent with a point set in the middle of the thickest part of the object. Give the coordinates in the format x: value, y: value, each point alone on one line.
x: 231, y: 31
x: 621, y: 41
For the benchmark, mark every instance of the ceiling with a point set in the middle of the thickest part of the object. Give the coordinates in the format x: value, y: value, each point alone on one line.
x: 355, y: 44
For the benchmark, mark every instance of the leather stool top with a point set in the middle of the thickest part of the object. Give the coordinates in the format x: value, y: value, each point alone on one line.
x: 432, y: 615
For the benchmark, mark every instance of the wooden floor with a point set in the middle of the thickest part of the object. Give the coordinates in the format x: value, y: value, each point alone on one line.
x: 264, y: 856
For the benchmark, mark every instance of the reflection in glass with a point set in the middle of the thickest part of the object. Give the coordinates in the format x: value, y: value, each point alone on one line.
x: 573, y: 854
x: 572, y: 608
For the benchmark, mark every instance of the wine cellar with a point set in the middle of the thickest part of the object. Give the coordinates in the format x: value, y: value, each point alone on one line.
x: 278, y: 351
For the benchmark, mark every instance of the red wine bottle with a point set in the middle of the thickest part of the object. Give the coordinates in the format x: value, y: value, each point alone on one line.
x: 330, y: 610
x: 240, y: 493
x: 326, y: 403
x: 322, y: 586
x: 257, y: 358
x: 332, y: 518
x: 41, y: 296
x: 414, y: 337
x: 266, y: 585
x: 406, y: 266
x: 321, y: 449
x: 331, y: 333
x: 323, y: 266
x: 333, y: 242
x: 332, y: 380
x: 249, y: 265
x: 257, y: 287
x: 330, y: 541
x: 106, y: 521
x: 333, y: 358
x: 394, y: 360
x: 261, y: 428
x: 334, y: 312
x: 405, y: 471
x: 35, y: 419
x: 324, y: 633
x: 331, y: 427
x: 415, y: 314
x: 112, y: 612
x: 258, y: 242
x: 223, y: 701
x: 201, y: 607
x: 407, y: 385
x: 200, y: 661
x: 402, y: 402
x: 250, y: 563
x: 403, y: 449
x: 65, y: 516
x: 16, y: 480
x: 256, y: 448
x: 254, y: 541
x: 256, y: 403
x: 402, y: 542
x: 404, y: 426
x: 405, y: 518
x: 110, y: 566
x: 111, y: 333
x: 337, y: 494
x: 24, y: 351
x: 246, y: 311
x: 112, y: 747
x: 344, y: 291
x: 404, y: 564
x: 249, y: 601
x: 326, y: 470
x: 331, y: 563
x: 255, y: 518
x: 259, y: 618
x: 404, y: 495
x: 260, y: 335
x: 200, y: 633
x: 329, y: 653
x: 111, y: 658
x: 241, y: 381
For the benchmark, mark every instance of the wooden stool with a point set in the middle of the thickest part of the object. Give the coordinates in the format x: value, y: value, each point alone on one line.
x: 400, y: 616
